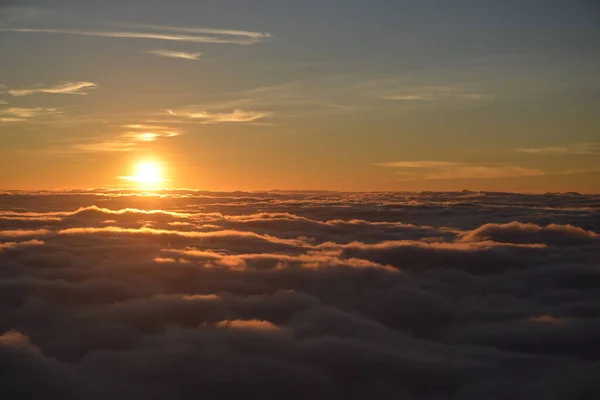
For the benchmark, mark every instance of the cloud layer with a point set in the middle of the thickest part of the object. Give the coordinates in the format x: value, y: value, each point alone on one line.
x: 112, y: 294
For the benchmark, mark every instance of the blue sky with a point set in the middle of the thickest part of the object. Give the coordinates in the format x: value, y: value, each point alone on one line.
x: 341, y: 95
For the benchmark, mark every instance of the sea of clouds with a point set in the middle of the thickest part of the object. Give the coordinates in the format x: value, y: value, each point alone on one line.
x: 299, y: 295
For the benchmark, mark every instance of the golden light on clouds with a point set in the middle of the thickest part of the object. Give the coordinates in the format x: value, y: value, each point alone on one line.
x: 149, y: 133
x: 147, y: 136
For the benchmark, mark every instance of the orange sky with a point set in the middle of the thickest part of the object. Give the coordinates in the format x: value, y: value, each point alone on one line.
x: 290, y: 98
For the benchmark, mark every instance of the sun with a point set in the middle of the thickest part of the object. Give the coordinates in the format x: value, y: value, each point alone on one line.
x: 147, y: 174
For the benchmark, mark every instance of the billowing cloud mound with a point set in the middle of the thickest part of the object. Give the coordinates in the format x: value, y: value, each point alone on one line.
x: 114, y: 295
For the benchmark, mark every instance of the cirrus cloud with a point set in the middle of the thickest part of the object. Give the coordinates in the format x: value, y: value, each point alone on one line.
x: 62, y: 88
x: 164, y: 33
x: 218, y: 117
x: 195, y: 56
x: 435, y: 170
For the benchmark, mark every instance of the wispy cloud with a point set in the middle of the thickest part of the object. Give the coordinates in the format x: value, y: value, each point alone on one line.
x: 576, y: 148
x: 193, y: 34
x: 293, y: 99
x: 442, y: 170
x: 146, y: 127
x: 576, y: 171
x: 176, y: 54
x: 107, y: 146
x: 209, y: 31
x: 483, y: 171
x: 135, y: 138
x: 62, y: 88
x: 148, y: 133
x: 410, y: 97
x: 23, y: 113
x: 433, y: 93
x: 11, y: 119
x: 422, y: 89
x: 419, y: 164
x: 342, y: 94
x: 219, y: 117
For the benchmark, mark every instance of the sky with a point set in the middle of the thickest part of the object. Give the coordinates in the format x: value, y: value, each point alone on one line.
x: 296, y: 95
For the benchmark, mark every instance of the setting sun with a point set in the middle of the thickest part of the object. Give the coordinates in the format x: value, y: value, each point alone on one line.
x: 147, y: 174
